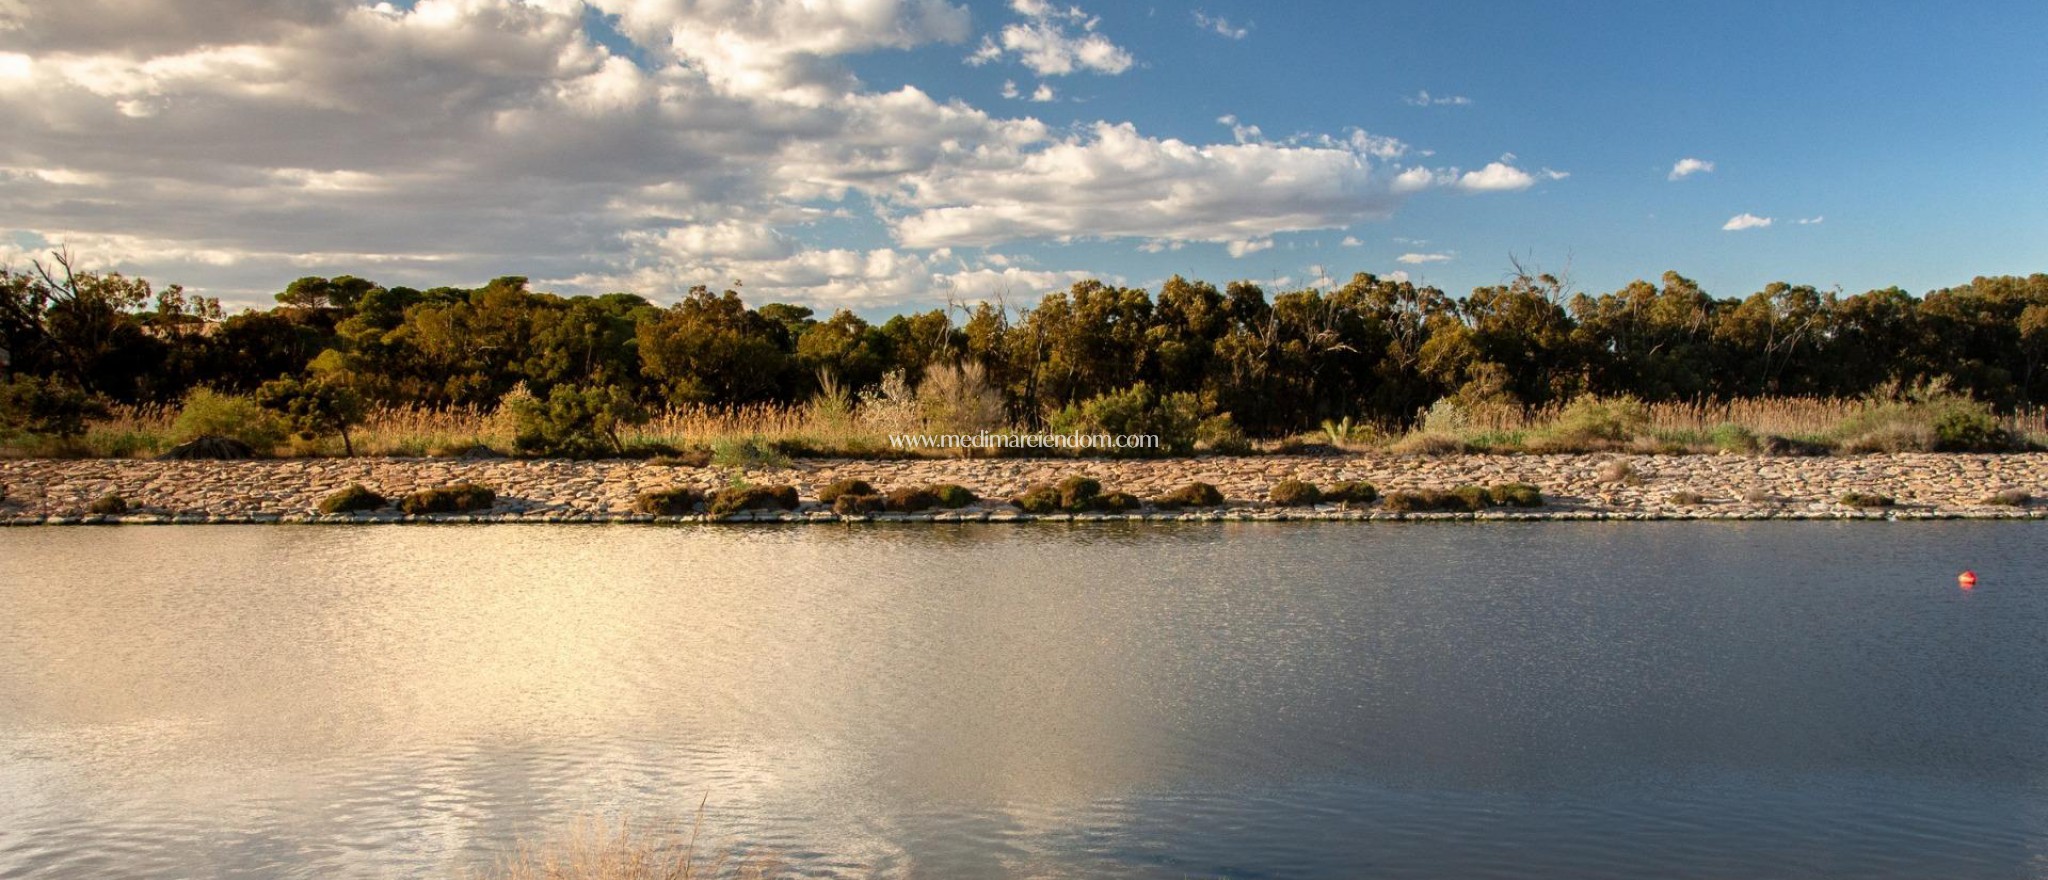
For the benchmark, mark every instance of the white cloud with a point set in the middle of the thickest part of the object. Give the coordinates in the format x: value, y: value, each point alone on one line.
x: 1010, y: 89
x: 1743, y: 221
x: 1416, y: 259
x: 240, y: 143
x: 1496, y: 177
x: 1221, y: 26
x: 1398, y: 276
x: 1350, y: 241
x: 1810, y: 221
x: 1241, y: 247
x: 1688, y: 167
x: 1424, y: 99
x: 1053, y: 41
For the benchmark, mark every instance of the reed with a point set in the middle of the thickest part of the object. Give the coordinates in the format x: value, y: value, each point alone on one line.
x: 597, y: 849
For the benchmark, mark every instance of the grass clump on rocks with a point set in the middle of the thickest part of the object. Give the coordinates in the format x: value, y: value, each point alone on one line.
x: 2010, y: 498
x: 1352, y: 492
x: 1515, y: 495
x: 952, y: 496
x: 458, y: 498
x: 832, y: 491
x: 1038, y: 498
x: 1867, y: 500
x: 678, y: 501
x: 354, y: 498
x: 726, y: 502
x: 859, y: 505
x: 911, y: 499
x: 1294, y: 493
x: 109, y: 504
x: 1078, y: 493
x: 1195, y: 494
x: 1467, y: 499
x: 1686, y: 498
x: 1622, y: 472
x: 1117, y: 502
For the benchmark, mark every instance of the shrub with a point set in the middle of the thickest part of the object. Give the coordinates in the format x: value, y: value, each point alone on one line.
x: 1867, y: 499
x: 1117, y: 502
x: 746, y: 452
x: 209, y: 448
x: 1515, y: 495
x: 2010, y: 498
x: 1430, y: 444
x: 911, y: 499
x: 1078, y: 493
x: 207, y: 413
x: 1595, y: 423
x: 848, y: 486
x: 952, y: 496
x: 1686, y: 498
x: 1731, y: 437
x: 1970, y: 428
x: 1790, y: 447
x: 459, y: 498
x: 732, y: 500
x: 1294, y: 493
x: 352, y: 499
x: 1463, y: 498
x: 1190, y: 495
x: 573, y: 422
x: 858, y: 505
x: 678, y: 501
x: 1174, y: 418
x: 48, y: 407
x: 109, y: 504
x: 1220, y: 434
x: 1038, y: 498
x: 1352, y: 492
x: 1470, y: 498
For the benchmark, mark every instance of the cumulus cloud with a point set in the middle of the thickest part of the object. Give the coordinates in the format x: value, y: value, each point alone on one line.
x: 1350, y: 241
x: 1809, y: 221
x: 1744, y: 221
x: 239, y: 143
x: 1221, y: 26
x: 1417, y: 259
x: 1424, y: 99
x: 1688, y: 167
x: 1053, y: 41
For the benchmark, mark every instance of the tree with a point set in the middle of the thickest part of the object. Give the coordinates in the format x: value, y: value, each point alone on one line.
x: 311, y: 408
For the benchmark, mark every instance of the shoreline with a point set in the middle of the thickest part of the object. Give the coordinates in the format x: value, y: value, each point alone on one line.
x: 1927, y: 486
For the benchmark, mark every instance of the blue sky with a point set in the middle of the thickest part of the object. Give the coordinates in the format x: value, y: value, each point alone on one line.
x: 883, y: 155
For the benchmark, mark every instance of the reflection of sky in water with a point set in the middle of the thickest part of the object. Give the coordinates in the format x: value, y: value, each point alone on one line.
x: 1257, y: 700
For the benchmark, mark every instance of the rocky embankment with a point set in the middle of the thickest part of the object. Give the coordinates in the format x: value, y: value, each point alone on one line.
x: 1575, y: 486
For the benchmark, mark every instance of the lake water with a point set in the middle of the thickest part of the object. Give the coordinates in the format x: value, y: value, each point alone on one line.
x: 1251, y: 700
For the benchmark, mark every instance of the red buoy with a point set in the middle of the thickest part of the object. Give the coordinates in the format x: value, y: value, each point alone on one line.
x: 1967, y: 579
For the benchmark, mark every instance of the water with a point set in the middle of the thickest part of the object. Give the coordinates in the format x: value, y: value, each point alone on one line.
x: 1257, y: 700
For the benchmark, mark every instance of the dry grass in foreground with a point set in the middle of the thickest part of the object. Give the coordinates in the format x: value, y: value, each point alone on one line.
x: 597, y: 849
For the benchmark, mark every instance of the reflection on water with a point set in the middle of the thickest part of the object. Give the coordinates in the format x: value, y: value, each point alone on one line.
x: 1588, y: 700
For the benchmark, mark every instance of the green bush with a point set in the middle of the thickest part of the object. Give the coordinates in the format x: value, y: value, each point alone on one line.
x: 732, y: 500
x: 1078, y: 493
x: 1867, y: 499
x: 109, y: 504
x: 746, y: 452
x: 1352, y: 492
x: 1190, y: 495
x: 679, y: 501
x: 1471, y: 498
x: 46, y: 407
x: 1038, y: 498
x: 573, y: 422
x: 859, y: 505
x: 952, y: 496
x: 1730, y: 437
x: 1515, y: 495
x: 1970, y: 428
x: 911, y: 499
x: 1294, y: 493
x: 459, y: 498
x: 1462, y: 498
x: 695, y: 458
x: 312, y: 409
x: 352, y: 499
x: 207, y: 413
x: 1595, y: 423
x: 848, y: 486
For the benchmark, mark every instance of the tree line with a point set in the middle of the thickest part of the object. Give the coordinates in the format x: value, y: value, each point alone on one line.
x: 1373, y: 349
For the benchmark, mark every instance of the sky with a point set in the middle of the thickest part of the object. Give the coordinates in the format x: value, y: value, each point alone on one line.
x: 888, y: 155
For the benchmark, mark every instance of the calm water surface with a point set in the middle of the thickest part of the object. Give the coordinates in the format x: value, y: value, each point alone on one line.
x: 1259, y: 700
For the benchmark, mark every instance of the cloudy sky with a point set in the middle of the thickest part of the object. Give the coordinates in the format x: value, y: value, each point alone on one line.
x: 888, y: 154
